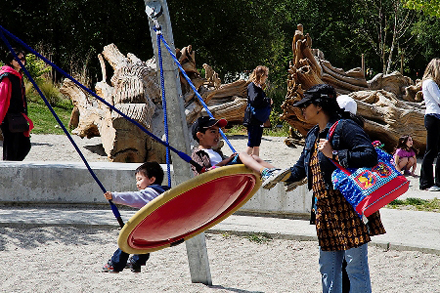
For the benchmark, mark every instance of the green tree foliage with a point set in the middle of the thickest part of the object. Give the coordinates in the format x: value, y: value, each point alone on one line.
x: 430, y: 7
x: 233, y: 36
x: 383, y: 27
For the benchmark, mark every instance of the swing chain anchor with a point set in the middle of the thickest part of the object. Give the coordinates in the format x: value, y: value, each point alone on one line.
x: 153, y: 9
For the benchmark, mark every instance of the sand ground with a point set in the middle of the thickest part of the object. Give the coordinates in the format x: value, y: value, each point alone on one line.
x: 69, y: 258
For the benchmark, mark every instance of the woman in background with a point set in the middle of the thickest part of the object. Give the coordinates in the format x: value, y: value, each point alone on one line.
x: 431, y: 95
x: 16, y: 145
x: 258, y: 109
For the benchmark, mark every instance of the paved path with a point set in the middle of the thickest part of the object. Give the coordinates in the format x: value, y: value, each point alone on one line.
x: 406, y: 230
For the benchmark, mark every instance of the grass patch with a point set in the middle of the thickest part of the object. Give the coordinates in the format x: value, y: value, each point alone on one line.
x: 280, y: 130
x: 260, y: 238
x: 431, y: 205
x: 44, y: 121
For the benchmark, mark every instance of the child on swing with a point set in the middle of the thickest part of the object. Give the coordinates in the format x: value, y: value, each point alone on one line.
x: 205, y: 131
x: 149, y: 178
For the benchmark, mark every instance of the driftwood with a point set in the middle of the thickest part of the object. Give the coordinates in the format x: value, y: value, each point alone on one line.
x: 134, y: 90
x: 388, y: 103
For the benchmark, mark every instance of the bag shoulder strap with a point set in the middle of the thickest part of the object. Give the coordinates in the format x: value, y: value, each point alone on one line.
x: 329, y: 137
x: 332, y: 130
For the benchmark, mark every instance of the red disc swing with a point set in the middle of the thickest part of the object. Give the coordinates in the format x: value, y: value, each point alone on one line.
x: 189, y: 209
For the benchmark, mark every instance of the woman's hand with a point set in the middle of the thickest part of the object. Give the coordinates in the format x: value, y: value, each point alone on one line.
x: 325, y: 147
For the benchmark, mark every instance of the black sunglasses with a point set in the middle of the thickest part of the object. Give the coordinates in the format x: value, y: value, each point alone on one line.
x: 305, y: 105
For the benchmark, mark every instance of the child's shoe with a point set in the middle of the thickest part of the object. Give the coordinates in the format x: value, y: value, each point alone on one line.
x: 108, y: 267
x: 272, y: 176
x: 135, y: 268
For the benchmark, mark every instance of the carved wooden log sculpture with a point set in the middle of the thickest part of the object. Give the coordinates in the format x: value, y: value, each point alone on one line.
x: 134, y: 90
x: 387, y: 118
x: 387, y: 102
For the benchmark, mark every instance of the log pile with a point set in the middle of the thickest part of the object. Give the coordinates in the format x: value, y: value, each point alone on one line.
x: 390, y: 103
x: 134, y: 90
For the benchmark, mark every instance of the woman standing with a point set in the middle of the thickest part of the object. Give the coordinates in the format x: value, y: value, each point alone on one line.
x: 13, y: 107
x: 257, y: 110
x: 341, y: 232
x: 431, y: 95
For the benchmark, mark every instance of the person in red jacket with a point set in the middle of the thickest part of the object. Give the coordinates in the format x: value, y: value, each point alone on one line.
x: 16, y: 142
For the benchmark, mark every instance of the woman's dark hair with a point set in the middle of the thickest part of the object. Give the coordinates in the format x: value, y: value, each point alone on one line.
x: 9, y: 56
x: 325, y: 96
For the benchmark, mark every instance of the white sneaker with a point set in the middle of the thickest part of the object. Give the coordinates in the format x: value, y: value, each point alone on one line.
x: 275, y: 177
x: 434, y: 188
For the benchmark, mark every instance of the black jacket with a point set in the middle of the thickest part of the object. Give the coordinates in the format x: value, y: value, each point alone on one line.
x: 354, y: 151
x: 257, y: 98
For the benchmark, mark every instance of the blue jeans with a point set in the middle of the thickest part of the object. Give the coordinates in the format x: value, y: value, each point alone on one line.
x: 330, y: 263
x: 119, y: 259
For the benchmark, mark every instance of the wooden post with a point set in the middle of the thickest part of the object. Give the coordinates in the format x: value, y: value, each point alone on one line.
x: 401, y: 64
x: 363, y: 64
x: 178, y: 130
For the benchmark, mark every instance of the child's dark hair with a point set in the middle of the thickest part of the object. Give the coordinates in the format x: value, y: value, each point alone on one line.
x: 401, y: 144
x: 151, y: 169
x: 202, y: 130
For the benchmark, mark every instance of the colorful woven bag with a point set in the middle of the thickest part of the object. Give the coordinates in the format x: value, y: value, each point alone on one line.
x: 369, y: 189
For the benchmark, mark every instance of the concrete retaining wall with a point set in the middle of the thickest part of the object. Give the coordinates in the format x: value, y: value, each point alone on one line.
x: 71, y: 183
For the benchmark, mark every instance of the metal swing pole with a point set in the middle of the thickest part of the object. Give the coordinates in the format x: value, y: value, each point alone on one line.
x: 159, y: 20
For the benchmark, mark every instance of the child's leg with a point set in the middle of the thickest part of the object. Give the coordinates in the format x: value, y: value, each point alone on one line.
x: 119, y: 260
x: 255, y: 151
x: 140, y: 259
x: 412, y: 163
x: 262, y: 162
x: 402, y: 164
x: 253, y: 162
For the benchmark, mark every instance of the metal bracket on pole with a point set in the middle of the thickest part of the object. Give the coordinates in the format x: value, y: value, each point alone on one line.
x: 153, y: 9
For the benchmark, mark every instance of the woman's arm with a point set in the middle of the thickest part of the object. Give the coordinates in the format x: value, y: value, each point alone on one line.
x: 433, y: 90
x: 298, y: 171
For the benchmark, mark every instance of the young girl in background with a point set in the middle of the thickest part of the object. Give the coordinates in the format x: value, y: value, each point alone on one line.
x: 405, y: 156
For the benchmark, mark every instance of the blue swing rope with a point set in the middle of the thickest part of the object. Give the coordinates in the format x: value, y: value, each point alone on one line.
x: 164, y: 107
x: 160, y: 37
